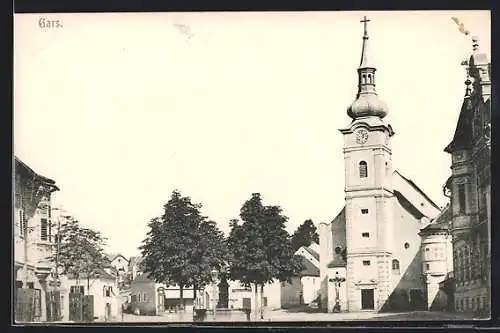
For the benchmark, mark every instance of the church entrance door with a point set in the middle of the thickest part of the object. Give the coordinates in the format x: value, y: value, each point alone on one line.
x: 367, y: 299
x: 417, y: 300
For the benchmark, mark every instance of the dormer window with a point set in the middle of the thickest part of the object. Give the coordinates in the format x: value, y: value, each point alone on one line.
x: 363, y: 169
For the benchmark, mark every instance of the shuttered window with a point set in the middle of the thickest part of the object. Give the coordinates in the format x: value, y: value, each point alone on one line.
x: 21, y: 222
x: 44, y: 229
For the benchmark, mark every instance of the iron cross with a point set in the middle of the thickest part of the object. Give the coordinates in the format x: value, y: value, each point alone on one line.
x: 365, y: 21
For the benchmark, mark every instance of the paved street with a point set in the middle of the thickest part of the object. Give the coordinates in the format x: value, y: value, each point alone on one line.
x: 284, y: 316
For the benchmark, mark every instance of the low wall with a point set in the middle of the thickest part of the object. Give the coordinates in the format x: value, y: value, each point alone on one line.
x: 224, y: 315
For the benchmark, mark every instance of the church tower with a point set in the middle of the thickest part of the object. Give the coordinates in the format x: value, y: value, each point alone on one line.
x: 368, y: 192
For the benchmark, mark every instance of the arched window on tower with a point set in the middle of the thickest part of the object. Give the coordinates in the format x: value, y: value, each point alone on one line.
x: 370, y: 78
x: 395, y: 266
x: 363, y: 169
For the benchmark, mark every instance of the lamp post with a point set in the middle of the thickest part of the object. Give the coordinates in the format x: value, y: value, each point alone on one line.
x: 214, y: 274
x: 337, y: 280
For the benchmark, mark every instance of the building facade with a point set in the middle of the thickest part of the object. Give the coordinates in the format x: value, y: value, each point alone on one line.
x: 103, y: 287
x: 32, y: 234
x: 370, y: 253
x: 437, y: 262
x: 304, y: 288
x: 469, y: 188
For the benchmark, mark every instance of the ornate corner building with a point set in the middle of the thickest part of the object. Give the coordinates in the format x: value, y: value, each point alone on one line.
x: 469, y: 188
x: 33, y: 241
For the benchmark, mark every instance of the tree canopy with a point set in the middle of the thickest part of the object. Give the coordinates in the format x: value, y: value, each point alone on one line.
x: 305, y: 234
x: 80, y: 251
x: 260, y: 246
x: 182, y: 246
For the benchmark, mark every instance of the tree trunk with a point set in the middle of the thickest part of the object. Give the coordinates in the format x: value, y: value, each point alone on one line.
x: 181, y: 289
x: 256, y: 308
x: 262, y: 301
x: 195, y: 287
x: 88, y: 284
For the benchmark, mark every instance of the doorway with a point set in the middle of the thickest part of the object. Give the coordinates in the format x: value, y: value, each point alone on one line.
x: 367, y: 299
x: 417, y: 300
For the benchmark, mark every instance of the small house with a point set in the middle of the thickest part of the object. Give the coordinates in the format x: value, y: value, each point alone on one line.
x: 102, y: 286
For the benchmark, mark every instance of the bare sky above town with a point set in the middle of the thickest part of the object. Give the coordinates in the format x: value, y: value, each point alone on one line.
x: 121, y: 109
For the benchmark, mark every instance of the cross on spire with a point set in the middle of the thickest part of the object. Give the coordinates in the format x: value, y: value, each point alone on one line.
x: 365, y: 21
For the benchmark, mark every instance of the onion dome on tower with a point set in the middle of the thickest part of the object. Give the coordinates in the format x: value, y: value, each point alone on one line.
x: 367, y: 102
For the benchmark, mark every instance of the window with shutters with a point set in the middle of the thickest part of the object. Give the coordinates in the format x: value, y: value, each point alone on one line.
x: 44, y: 229
x: 363, y: 169
x: 22, y: 223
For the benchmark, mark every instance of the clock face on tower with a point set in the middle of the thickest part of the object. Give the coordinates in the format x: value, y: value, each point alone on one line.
x: 361, y: 136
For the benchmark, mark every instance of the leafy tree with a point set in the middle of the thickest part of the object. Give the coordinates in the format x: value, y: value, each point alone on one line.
x: 181, y: 247
x: 81, y: 251
x: 212, y: 254
x: 305, y: 234
x: 260, y: 247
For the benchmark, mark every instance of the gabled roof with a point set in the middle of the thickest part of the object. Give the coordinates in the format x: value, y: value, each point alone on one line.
x: 309, y: 268
x: 113, y: 256
x: 101, y: 275
x: 412, y: 184
x: 405, y: 200
x: 312, y: 252
x: 340, y: 216
x: 23, y: 169
x: 441, y: 223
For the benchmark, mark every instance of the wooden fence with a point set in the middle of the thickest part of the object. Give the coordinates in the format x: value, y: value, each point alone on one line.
x: 81, y: 307
x: 28, y: 305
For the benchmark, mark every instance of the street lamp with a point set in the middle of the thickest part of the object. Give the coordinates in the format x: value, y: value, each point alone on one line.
x: 337, y: 280
x: 214, y: 273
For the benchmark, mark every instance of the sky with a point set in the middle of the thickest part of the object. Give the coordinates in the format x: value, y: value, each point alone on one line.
x: 120, y: 109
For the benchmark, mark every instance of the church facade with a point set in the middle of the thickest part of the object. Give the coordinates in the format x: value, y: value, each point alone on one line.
x: 371, y: 254
x: 469, y: 188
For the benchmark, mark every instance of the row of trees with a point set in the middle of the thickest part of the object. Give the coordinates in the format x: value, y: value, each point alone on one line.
x: 182, y: 246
